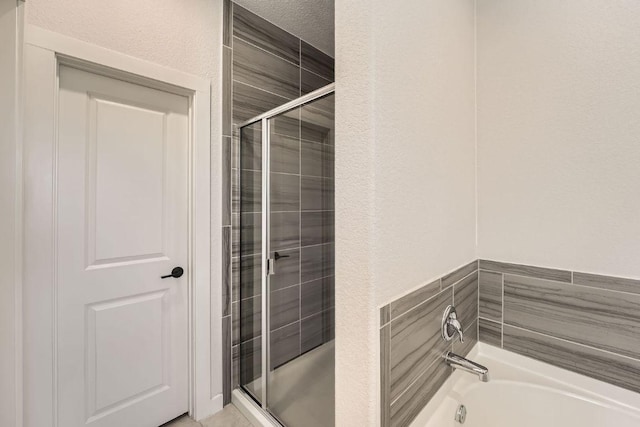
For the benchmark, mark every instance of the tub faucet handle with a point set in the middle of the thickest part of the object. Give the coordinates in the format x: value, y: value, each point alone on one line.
x: 451, y: 325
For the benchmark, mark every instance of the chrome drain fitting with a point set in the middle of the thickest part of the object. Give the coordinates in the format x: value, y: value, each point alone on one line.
x: 461, y: 414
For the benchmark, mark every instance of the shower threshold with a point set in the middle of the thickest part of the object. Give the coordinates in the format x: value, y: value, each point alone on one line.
x: 301, y: 392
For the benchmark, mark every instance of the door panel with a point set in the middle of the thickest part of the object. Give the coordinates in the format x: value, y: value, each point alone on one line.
x: 121, y: 224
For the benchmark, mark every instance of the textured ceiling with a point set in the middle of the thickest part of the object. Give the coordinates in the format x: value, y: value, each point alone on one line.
x: 311, y: 20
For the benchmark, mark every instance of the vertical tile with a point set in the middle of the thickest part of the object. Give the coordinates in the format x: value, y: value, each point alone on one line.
x: 287, y: 124
x: 260, y: 32
x: 227, y: 22
x: 317, y: 262
x: 251, y: 147
x: 317, y: 296
x: 317, y: 228
x: 235, y: 191
x: 250, y: 233
x: 317, y: 194
x: 317, y: 330
x: 285, y: 154
x: 249, y: 102
x: 250, y: 360
x: 250, y: 318
x: 250, y: 191
x: 459, y: 273
x: 227, y: 82
x: 490, y: 332
x: 317, y: 61
x: 250, y: 274
x: 490, y: 284
x: 416, y: 342
x: 284, y: 307
x: 226, y: 360
x: 405, y: 409
x: 311, y: 81
x: 285, y: 230
x: 385, y: 403
x: 385, y: 315
x: 285, y: 344
x: 599, y: 318
x: 317, y: 159
x: 285, y: 192
x: 256, y: 67
x: 465, y: 299
x: 235, y: 279
x: 226, y: 271
x: 226, y: 181
x: 235, y: 323
x: 235, y: 364
x: 470, y: 339
x: 317, y: 125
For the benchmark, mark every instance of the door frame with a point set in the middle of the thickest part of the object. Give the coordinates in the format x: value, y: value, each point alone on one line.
x: 44, y: 52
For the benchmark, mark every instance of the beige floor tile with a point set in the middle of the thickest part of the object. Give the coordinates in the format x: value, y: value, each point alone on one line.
x: 228, y: 417
x: 183, y: 421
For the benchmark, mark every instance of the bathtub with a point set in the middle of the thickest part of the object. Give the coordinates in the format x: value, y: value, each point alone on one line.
x: 523, y: 392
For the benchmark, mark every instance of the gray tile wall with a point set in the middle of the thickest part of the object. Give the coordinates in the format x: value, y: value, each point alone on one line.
x: 411, y: 348
x: 264, y: 67
x: 582, y: 322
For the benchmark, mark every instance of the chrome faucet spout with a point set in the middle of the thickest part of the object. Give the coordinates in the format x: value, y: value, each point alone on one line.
x: 459, y: 362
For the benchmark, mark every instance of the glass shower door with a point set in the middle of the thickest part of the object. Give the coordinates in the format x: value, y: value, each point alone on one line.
x: 287, y: 263
x: 301, y: 244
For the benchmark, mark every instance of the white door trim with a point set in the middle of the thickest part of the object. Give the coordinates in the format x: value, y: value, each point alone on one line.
x: 44, y: 52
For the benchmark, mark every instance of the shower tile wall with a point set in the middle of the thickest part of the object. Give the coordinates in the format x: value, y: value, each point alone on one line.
x: 582, y: 322
x: 264, y: 67
x: 411, y: 348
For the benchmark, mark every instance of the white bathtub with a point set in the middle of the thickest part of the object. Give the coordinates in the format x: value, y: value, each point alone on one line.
x: 523, y: 392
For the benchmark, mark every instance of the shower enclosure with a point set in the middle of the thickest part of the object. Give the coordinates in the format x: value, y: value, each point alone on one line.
x: 287, y: 260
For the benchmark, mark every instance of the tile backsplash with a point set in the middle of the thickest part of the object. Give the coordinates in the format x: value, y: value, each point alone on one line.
x: 585, y: 323
x: 412, y: 366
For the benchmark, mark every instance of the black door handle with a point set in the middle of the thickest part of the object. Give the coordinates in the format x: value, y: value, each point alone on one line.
x: 176, y: 272
x: 277, y: 256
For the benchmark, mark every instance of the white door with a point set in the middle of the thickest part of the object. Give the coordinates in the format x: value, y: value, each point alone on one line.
x: 121, y: 225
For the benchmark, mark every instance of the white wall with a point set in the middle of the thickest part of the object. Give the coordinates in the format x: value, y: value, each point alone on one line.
x: 424, y: 142
x: 9, y: 268
x: 184, y: 35
x: 405, y: 161
x: 559, y: 133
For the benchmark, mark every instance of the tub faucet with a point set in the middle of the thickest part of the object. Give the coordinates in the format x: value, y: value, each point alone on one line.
x: 451, y: 325
x: 459, y: 362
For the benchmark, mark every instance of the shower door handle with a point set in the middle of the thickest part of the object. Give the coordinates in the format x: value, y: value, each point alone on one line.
x: 277, y: 256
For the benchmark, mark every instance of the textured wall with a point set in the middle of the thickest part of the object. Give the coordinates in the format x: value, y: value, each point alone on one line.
x: 425, y: 142
x: 8, y: 298
x: 405, y: 156
x: 178, y: 34
x: 558, y: 126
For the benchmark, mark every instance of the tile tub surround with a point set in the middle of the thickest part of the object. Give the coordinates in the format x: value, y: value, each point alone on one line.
x: 586, y: 323
x: 411, y: 348
x: 264, y: 67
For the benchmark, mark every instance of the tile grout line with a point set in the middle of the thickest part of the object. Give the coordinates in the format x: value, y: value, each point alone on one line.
x: 575, y: 343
